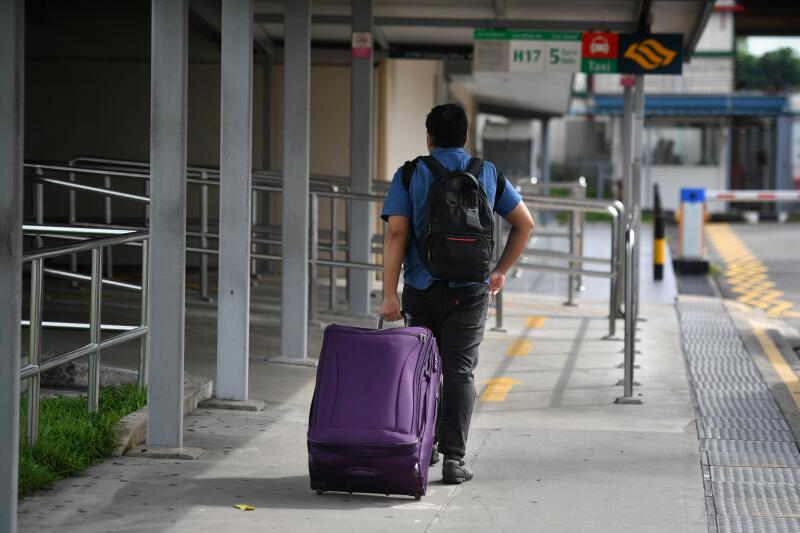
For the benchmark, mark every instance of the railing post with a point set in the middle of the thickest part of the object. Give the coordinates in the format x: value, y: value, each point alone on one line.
x: 334, y: 251
x: 73, y: 258
x: 144, y: 355
x: 38, y: 192
x: 94, y: 329
x: 630, y: 320
x: 571, y: 278
x: 613, y: 296
x: 498, y: 298
x: 313, y: 282
x: 147, y: 205
x: 35, y: 349
x: 622, y: 229
x: 254, y: 211
x: 581, y: 232
x: 204, y: 237
x: 108, y: 218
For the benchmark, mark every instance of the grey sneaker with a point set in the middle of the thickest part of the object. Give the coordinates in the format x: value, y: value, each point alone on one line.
x: 455, y: 471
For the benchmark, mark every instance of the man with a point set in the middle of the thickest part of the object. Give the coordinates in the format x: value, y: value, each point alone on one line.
x: 454, y: 311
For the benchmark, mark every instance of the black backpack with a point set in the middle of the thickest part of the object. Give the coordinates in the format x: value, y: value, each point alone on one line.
x: 457, y: 238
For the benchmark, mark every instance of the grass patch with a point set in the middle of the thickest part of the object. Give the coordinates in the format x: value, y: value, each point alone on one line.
x: 70, y: 438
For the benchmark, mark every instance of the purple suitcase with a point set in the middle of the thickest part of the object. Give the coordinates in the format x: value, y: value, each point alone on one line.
x: 374, y: 410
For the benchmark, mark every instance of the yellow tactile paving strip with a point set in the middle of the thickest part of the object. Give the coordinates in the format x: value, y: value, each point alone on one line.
x: 746, y: 275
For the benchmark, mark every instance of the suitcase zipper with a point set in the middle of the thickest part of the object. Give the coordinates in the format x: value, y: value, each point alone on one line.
x: 370, y: 444
x: 421, y: 367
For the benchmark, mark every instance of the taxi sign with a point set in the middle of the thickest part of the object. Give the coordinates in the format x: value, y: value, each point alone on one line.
x: 653, y: 53
x: 599, y: 52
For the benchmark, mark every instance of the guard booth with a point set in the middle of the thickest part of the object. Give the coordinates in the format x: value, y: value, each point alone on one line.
x: 200, y: 94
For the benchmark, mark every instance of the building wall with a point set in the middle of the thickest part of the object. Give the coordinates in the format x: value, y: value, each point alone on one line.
x: 407, y: 93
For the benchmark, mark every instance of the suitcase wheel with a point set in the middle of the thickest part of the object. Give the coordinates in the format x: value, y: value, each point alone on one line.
x: 417, y: 496
x: 319, y: 492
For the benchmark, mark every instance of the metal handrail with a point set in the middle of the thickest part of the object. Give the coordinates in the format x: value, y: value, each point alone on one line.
x: 616, y: 211
x: 34, y: 366
x: 88, y: 188
x: 576, y: 206
x: 534, y: 183
x: 577, y: 222
x: 84, y: 246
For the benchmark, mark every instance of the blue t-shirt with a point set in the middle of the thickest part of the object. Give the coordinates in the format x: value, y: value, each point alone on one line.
x: 411, y: 203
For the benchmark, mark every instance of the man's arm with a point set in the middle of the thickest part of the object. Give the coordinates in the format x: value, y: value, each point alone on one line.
x: 394, y: 248
x: 521, y: 227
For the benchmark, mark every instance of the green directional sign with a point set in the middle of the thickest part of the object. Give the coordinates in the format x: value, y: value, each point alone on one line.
x: 527, y: 51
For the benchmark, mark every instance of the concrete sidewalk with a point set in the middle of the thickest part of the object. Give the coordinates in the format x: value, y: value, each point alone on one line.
x: 553, y: 454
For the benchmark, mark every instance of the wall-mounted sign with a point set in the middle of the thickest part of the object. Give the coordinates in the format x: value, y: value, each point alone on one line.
x: 361, y: 44
x: 655, y: 53
x: 526, y: 51
x: 520, y: 51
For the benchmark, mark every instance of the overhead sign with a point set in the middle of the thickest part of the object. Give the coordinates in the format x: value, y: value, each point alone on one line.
x: 526, y: 51
x: 521, y: 51
x: 599, y: 52
x: 655, y: 53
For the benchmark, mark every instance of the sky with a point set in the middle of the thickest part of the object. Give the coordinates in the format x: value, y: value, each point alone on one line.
x: 759, y: 45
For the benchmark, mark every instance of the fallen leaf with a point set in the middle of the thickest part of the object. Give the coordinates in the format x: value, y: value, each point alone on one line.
x: 244, y: 507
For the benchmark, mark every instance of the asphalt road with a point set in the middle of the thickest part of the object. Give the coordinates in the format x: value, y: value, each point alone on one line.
x: 759, y: 264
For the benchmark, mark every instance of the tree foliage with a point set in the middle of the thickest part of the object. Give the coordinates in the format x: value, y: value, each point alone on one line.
x: 775, y: 71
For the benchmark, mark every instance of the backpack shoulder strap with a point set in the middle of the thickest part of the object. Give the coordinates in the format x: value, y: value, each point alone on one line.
x: 435, y: 166
x: 408, y: 172
x: 501, y: 187
x: 474, y: 166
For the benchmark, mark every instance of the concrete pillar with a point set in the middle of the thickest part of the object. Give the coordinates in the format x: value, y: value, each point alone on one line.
x: 545, y: 217
x: 545, y: 150
x: 167, y: 259
x: 12, y: 62
x: 236, y: 151
x: 361, y: 216
x: 294, y: 292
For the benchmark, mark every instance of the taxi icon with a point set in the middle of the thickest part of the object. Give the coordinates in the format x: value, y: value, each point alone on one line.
x: 599, y: 45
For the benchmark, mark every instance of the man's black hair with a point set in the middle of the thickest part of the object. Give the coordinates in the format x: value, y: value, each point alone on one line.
x: 448, y: 125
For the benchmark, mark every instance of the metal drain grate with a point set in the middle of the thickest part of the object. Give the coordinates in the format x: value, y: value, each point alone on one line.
x: 785, y: 476
x: 746, y: 434
x: 743, y: 524
x: 754, y: 463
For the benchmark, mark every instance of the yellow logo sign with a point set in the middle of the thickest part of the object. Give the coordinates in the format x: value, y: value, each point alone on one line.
x: 650, y: 54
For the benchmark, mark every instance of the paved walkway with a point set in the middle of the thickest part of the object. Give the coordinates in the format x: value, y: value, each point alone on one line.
x: 552, y: 453
x: 550, y: 449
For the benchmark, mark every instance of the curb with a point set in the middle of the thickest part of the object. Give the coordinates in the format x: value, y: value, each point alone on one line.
x: 133, y: 428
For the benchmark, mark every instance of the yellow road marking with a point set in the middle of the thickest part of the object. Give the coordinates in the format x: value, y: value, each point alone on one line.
x: 497, y: 389
x: 780, y: 365
x: 746, y: 275
x: 519, y: 347
x: 534, y: 322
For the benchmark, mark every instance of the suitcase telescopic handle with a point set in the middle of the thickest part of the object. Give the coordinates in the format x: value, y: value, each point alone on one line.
x: 406, y: 320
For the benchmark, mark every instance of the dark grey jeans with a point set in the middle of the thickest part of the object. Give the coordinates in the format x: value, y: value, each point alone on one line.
x: 456, y: 316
